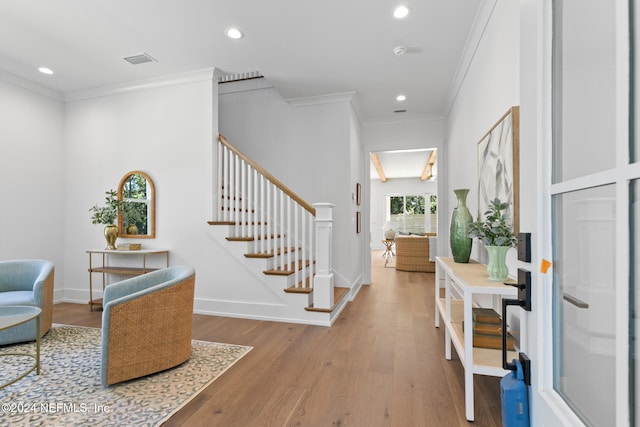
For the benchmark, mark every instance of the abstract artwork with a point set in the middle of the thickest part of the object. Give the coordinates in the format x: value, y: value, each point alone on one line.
x: 498, y: 166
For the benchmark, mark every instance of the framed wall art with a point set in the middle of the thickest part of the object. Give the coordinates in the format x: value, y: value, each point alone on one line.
x: 358, y: 193
x: 498, y: 166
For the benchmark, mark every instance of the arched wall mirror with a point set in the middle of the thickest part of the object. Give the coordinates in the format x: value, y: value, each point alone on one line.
x: 136, y: 194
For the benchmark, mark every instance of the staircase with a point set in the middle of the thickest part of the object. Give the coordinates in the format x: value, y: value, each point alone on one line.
x: 273, y: 233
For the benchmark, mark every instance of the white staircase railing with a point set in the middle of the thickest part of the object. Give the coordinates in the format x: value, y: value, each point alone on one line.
x: 264, y: 211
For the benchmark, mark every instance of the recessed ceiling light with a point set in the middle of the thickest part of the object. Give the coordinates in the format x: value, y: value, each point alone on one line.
x: 400, y: 12
x: 234, y: 33
x: 401, y: 98
x: 399, y: 50
x: 45, y: 70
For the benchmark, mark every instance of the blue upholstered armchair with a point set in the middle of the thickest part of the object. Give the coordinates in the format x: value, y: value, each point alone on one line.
x: 146, y: 324
x: 26, y: 282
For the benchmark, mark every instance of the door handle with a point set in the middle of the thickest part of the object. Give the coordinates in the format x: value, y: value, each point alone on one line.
x: 523, y: 301
x: 575, y: 301
x: 524, y: 289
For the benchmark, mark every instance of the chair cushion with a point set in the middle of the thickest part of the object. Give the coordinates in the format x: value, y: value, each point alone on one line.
x: 16, y: 298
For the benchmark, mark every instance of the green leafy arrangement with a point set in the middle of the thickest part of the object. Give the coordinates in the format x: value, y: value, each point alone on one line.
x: 108, y: 213
x: 495, y: 230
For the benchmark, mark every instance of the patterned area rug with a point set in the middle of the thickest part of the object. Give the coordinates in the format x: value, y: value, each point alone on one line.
x: 68, y: 390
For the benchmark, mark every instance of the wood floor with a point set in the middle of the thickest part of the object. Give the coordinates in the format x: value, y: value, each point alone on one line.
x: 381, y: 364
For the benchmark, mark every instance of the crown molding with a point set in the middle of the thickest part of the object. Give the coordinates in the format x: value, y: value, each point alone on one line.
x: 404, y: 118
x: 321, y: 99
x: 12, y: 79
x: 140, y: 85
x: 470, y: 48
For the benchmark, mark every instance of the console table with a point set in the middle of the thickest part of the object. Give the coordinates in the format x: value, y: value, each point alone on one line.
x: 141, y: 259
x: 463, y: 283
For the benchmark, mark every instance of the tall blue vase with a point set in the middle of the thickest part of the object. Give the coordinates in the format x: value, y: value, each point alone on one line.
x: 459, y: 232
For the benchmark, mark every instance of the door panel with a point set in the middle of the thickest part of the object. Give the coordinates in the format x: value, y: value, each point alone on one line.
x: 584, y: 301
x: 584, y: 88
x: 591, y: 213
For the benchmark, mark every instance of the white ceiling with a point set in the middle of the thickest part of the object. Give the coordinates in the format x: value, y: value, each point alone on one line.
x: 304, y: 48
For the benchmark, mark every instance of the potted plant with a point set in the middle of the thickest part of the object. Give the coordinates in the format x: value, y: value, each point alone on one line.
x: 497, y: 236
x: 107, y: 215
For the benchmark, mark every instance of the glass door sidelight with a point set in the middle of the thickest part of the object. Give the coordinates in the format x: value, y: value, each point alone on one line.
x: 594, y: 217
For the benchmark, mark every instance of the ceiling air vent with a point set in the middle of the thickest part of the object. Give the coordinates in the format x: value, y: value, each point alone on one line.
x: 399, y: 111
x: 236, y: 77
x: 143, y: 58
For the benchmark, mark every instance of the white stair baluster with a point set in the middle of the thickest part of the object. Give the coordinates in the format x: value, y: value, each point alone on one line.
x: 219, y: 185
x: 293, y: 243
x: 255, y: 203
x: 226, y: 184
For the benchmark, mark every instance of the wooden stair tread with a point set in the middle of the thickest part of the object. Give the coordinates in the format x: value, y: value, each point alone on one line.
x: 282, y: 272
x: 306, y: 289
x: 269, y: 254
x: 241, y: 239
x: 251, y: 238
x: 338, y: 295
x: 234, y: 223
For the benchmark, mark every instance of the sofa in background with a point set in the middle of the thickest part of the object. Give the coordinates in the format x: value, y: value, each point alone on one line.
x: 412, y: 253
x: 146, y: 324
x: 27, y: 282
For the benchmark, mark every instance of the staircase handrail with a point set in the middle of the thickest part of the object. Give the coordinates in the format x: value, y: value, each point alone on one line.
x: 267, y: 175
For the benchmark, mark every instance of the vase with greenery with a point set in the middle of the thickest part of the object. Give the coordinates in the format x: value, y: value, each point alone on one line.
x: 496, y: 234
x: 107, y: 215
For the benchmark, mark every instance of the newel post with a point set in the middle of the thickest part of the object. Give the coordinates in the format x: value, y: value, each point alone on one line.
x: 323, y: 280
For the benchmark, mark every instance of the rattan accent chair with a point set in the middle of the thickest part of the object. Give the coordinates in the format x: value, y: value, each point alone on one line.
x: 27, y: 282
x: 146, y: 324
x: 412, y: 254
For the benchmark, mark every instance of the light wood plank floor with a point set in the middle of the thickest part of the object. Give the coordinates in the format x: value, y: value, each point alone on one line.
x: 381, y: 364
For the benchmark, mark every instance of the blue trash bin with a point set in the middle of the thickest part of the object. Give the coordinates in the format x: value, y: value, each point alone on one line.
x: 515, y: 404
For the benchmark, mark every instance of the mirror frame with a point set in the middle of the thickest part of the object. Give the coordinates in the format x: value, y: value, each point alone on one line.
x: 151, y: 220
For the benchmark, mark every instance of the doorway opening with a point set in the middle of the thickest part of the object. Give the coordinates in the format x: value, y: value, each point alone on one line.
x: 403, y: 193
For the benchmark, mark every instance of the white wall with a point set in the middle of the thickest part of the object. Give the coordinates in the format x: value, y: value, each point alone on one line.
x: 31, y: 169
x: 312, y: 148
x: 167, y: 132
x: 404, y: 135
x: 490, y: 88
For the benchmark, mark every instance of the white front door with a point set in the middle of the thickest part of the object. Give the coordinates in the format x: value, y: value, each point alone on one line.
x: 584, y: 333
